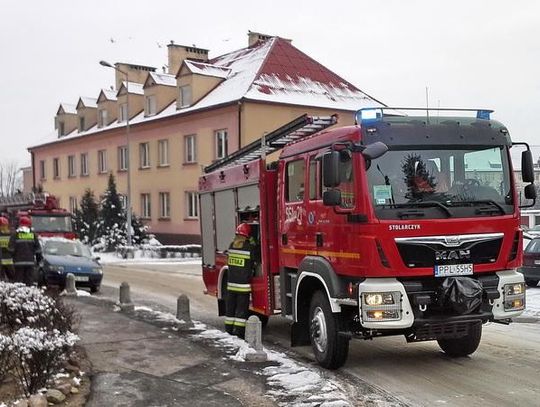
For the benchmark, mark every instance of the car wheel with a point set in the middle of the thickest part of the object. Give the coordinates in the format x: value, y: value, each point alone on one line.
x: 95, y: 288
x: 531, y: 282
x: 463, y: 346
x: 329, y: 347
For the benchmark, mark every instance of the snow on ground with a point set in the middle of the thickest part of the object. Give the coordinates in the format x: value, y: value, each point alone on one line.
x: 113, y: 258
x: 532, y: 303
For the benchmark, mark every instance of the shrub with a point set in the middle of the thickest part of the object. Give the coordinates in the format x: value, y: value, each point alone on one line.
x: 5, y: 356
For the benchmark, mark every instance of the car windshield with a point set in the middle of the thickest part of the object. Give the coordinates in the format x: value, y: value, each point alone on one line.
x: 442, y: 178
x: 533, y: 246
x: 42, y: 223
x: 535, y: 229
x: 66, y: 248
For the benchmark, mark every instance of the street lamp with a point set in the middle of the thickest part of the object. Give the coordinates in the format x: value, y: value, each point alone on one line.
x: 128, y: 203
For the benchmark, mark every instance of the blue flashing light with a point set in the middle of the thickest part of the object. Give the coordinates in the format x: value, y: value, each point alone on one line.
x: 483, y: 114
x: 369, y: 115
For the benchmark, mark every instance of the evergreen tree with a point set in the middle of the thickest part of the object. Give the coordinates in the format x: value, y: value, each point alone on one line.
x: 112, y: 218
x: 86, y: 218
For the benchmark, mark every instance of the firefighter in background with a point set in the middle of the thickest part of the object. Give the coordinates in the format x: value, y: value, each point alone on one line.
x: 25, y: 249
x: 241, y: 259
x: 6, y: 261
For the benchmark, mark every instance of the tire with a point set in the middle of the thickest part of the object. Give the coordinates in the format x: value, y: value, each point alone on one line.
x: 531, y: 282
x: 95, y: 288
x: 464, y: 346
x: 330, y: 348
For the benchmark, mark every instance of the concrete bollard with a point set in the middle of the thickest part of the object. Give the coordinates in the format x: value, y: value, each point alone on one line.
x: 254, y: 340
x: 182, y: 308
x: 71, y: 290
x: 125, y: 298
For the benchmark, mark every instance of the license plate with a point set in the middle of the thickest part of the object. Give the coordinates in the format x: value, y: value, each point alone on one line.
x: 448, y: 270
x: 537, y: 262
x: 81, y: 278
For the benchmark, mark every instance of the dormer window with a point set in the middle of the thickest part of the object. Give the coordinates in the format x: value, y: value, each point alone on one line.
x: 102, y: 117
x: 123, y: 112
x: 185, y: 96
x: 61, y: 129
x: 150, y: 107
x: 81, y: 123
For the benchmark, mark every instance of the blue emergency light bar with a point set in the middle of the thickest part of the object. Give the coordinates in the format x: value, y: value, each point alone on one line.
x: 376, y: 114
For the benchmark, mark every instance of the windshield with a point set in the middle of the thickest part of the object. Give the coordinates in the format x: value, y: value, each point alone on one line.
x: 443, y: 179
x: 66, y: 248
x: 51, y: 223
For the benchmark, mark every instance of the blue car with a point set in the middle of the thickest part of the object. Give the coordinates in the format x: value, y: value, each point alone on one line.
x: 63, y: 256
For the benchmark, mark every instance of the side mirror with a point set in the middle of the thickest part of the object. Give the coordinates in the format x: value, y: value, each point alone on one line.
x: 527, y: 167
x: 530, y: 191
x: 331, y: 169
x: 332, y: 197
x: 375, y: 150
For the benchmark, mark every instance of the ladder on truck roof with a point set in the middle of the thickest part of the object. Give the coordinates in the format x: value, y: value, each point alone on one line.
x: 300, y: 127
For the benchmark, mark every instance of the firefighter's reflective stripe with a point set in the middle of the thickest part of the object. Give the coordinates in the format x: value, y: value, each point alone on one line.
x: 25, y: 236
x: 239, y: 322
x: 23, y: 263
x: 238, y: 257
x: 229, y: 321
x: 234, y: 261
x: 4, y: 242
x: 6, y: 262
x: 239, y: 288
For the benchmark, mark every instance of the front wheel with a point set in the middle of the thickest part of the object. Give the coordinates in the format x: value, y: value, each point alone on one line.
x: 330, y: 348
x: 463, y: 346
x: 531, y: 282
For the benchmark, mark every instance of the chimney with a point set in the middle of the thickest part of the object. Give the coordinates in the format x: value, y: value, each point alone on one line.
x: 136, y: 73
x: 254, y: 38
x: 178, y: 53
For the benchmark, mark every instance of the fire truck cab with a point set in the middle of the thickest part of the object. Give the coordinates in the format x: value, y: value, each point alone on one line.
x: 399, y: 225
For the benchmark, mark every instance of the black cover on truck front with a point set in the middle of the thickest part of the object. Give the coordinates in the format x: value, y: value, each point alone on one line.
x: 462, y: 294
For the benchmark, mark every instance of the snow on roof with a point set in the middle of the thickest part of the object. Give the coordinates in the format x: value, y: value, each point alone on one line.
x: 109, y: 94
x: 134, y: 88
x: 68, y: 108
x: 87, y: 102
x: 201, y: 68
x: 163, y: 78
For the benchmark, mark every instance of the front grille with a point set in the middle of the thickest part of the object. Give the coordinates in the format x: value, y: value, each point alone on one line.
x: 416, y: 255
x: 434, y: 331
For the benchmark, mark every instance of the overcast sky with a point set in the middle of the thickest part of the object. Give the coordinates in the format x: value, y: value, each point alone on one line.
x: 468, y: 53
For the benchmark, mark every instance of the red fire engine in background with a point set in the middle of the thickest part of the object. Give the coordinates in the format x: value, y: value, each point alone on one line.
x: 399, y: 225
x: 48, y: 219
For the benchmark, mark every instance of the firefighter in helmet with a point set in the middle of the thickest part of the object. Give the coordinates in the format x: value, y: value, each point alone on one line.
x: 24, y: 247
x: 6, y: 262
x: 241, y: 258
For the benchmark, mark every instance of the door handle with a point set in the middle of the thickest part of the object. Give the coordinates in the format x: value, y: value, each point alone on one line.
x: 319, y: 239
x: 284, y: 239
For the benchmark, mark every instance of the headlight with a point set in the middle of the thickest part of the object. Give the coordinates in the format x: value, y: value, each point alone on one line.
x: 378, y: 299
x: 514, y: 296
x: 58, y: 269
x: 381, y: 306
x: 514, y: 289
x: 98, y: 270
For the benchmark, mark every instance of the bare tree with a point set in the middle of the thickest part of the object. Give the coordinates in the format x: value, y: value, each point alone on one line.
x: 10, y: 178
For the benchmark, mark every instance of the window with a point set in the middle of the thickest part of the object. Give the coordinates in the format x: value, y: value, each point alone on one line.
x: 42, y: 173
x: 56, y: 168
x: 163, y: 152
x: 81, y: 123
x: 150, y: 107
x: 72, y: 204
x: 185, y: 96
x: 192, y: 205
x: 123, y: 201
x: 221, y: 144
x: 102, y: 118
x: 146, y: 210
x: 84, y: 164
x: 144, y: 155
x: 122, y: 158
x: 123, y: 112
x: 61, y: 129
x: 102, y: 161
x: 190, y: 152
x: 295, y: 181
x: 164, y: 205
x: 71, y: 166
x: 314, y: 179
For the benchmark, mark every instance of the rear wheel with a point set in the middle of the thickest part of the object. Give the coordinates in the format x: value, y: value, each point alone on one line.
x: 531, y: 283
x: 463, y: 346
x: 330, y: 348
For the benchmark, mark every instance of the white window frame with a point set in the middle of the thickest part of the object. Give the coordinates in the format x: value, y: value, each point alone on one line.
x: 221, y: 143
x: 144, y: 155
x: 73, y: 206
x: 84, y: 164
x: 72, y: 167
x: 122, y: 158
x: 102, y: 161
x: 163, y: 153
x: 103, y: 115
x: 192, y: 205
x: 185, y: 96
x: 42, y: 169
x: 146, y: 206
x: 150, y: 105
x: 56, y: 168
x: 164, y: 205
x: 123, y: 112
x: 190, y: 149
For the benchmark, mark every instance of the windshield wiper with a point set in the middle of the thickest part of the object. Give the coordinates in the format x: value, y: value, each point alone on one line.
x: 425, y: 204
x: 491, y: 202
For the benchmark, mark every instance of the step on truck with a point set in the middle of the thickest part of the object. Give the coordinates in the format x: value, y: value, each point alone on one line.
x: 406, y: 223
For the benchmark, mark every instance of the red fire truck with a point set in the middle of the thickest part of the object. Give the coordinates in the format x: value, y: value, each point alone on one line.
x: 48, y: 219
x: 399, y: 225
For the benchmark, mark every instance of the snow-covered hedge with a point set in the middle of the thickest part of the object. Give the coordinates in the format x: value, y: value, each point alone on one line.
x: 35, y: 335
x: 159, y: 251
